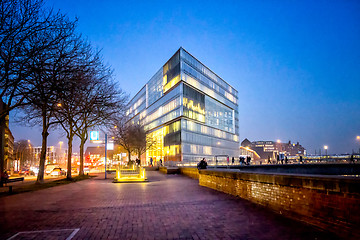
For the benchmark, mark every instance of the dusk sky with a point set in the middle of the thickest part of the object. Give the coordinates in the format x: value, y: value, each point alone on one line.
x: 296, y: 64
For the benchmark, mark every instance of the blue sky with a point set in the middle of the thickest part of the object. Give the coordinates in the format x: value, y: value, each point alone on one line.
x: 296, y: 64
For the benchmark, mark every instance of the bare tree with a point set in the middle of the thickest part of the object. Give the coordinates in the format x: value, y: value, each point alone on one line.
x: 49, y: 68
x: 101, y: 101
x: 22, y: 152
x: 122, y: 132
x: 28, y: 36
x: 141, y: 141
x: 132, y: 137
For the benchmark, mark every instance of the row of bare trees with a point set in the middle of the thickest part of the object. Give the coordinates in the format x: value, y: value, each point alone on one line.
x: 53, y: 76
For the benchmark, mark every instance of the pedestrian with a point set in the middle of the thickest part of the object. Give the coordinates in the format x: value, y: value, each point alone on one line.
x: 160, y: 162
x: 228, y: 160
x: 277, y: 159
x: 269, y: 162
x: 233, y: 160
x: 352, y: 158
x: 151, y: 161
x: 286, y: 160
x: 301, y: 159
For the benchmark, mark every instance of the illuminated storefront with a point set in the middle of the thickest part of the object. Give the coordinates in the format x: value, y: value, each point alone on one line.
x: 189, y: 111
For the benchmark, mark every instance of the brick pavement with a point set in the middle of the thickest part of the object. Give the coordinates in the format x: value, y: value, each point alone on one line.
x: 167, y: 207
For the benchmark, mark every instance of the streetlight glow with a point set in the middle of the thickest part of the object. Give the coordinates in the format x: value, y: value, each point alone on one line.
x: 358, y: 137
x: 278, y: 141
x: 325, y: 147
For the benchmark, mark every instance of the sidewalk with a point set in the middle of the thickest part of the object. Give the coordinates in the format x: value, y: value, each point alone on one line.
x: 167, y: 207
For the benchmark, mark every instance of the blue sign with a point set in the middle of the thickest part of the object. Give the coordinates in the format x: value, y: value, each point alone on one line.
x: 94, y: 135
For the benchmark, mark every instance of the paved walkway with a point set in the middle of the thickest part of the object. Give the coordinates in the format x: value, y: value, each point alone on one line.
x: 167, y: 207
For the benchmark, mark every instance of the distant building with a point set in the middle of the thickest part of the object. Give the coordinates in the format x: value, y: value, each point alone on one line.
x: 266, y: 149
x: 54, y: 155
x: 9, y: 140
x: 9, y: 145
x: 95, y: 154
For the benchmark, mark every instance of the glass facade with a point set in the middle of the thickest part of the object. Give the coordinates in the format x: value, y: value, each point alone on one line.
x: 189, y: 111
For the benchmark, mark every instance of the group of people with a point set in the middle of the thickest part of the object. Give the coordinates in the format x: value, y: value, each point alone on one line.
x: 244, y: 161
x: 152, y: 162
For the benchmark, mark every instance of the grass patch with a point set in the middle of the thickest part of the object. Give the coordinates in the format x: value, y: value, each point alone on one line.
x: 38, y: 186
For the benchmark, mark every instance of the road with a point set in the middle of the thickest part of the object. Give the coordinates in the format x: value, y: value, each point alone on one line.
x: 167, y: 207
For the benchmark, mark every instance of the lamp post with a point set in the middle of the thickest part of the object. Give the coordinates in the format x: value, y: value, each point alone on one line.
x: 358, y: 138
x: 326, y: 148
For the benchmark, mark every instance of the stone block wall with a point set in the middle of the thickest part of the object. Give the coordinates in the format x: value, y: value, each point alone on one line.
x: 190, y: 172
x: 331, y: 203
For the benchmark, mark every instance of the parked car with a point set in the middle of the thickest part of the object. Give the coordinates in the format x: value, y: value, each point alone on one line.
x: 51, y: 167
x: 26, y: 172
x: 57, y: 172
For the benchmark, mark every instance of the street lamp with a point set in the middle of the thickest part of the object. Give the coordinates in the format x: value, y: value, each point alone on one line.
x: 358, y: 138
x: 326, y: 148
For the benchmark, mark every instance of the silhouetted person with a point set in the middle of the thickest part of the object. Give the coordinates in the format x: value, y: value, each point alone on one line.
x: 202, y: 164
x: 352, y: 158
x: 228, y: 160
x: 286, y: 160
x: 160, y: 162
x: 151, y: 162
x: 301, y: 159
x: 269, y: 161
x: 277, y: 159
x: 232, y: 160
x: 248, y: 159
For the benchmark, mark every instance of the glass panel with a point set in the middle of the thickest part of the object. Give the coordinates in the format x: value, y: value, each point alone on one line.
x: 155, y: 87
x: 218, y: 115
x: 194, y: 104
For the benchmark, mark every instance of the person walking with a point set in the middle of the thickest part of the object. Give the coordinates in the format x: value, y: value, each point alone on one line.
x: 160, y: 162
x: 151, y: 162
x: 232, y: 160
x: 352, y: 158
x: 269, y: 161
x: 228, y: 160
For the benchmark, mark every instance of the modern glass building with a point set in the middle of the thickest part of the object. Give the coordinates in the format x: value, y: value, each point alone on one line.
x: 189, y: 111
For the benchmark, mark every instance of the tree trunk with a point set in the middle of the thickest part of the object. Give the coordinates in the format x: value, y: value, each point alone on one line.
x: 129, y: 155
x: 2, y: 147
x: 82, y: 143
x: 70, y: 139
x: 44, y: 134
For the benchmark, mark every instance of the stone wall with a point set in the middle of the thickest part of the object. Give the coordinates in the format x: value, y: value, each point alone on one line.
x: 331, y: 203
x: 169, y: 170
x: 313, y: 168
x: 190, y: 172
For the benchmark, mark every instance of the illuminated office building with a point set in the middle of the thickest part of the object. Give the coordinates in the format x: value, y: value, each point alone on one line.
x: 189, y: 111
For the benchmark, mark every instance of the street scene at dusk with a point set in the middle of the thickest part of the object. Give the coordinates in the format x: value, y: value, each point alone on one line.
x: 179, y: 120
